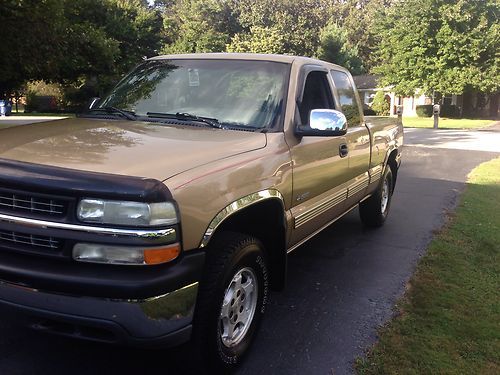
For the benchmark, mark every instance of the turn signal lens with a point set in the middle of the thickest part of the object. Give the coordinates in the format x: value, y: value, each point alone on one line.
x: 125, y: 255
x: 162, y: 255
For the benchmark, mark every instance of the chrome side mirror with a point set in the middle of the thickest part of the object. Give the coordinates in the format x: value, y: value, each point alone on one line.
x: 323, y: 123
x: 327, y: 119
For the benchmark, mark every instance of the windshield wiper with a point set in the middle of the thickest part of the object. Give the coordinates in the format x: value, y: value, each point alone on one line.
x: 130, y: 115
x: 213, y: 122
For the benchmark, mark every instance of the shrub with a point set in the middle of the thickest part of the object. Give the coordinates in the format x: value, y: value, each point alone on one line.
x: 380, y: 104
x: 450, y: 111
x: 43, y: 97
x: 367, y: 111
x: 351, y: 112
x: 424, y: 110
x: 77, y: 98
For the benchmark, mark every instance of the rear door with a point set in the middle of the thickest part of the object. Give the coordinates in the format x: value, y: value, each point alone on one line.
x: 357, y: 137
x: 319, y: 170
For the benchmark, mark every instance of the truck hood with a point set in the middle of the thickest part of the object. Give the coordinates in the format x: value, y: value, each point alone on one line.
x: 129, y: 148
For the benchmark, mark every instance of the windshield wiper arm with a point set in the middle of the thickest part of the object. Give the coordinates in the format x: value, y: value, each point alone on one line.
x: 130, y: 115
x: 213, y: 122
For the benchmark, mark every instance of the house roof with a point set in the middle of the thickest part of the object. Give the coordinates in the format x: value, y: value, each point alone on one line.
x: 367, y: 81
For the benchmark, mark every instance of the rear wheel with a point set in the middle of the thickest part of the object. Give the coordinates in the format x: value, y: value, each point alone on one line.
x: 373, y: 211
x: 231, y: 301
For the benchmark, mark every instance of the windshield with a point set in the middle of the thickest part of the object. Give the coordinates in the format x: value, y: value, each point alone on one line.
x: 240, y: 92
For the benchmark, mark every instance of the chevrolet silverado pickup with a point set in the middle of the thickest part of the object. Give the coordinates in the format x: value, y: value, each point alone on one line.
x: 165, y: 213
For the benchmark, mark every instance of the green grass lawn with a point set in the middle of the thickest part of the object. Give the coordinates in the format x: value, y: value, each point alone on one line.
x: 445, y: 123
x: 449, y: 320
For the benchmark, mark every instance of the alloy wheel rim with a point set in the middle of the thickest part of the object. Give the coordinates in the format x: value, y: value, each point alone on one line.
x: 238, y: 307
x: 385, y: 196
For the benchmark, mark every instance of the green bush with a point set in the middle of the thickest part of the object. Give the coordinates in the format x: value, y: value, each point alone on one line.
x: 77, y: 98
x: 367, y: 111
x: 450, y: 111
x: 351, y: 112
x: 424, y: 110
x: 43, y: 97
x: 380, y: 105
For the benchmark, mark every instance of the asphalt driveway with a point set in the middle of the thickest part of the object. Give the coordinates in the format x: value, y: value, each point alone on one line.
x: 342, y: 284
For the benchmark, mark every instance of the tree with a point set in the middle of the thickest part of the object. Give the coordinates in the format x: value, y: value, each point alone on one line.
x: 334, y: 47
x: 107, y: 38
x: 360, y: 17
x: 439, y: 45
x: 74, y: 41
x: 380, y: 104
x: 281, y: 26
x: 32, y: 40
x: 259, y: 40
x: 198, y: 26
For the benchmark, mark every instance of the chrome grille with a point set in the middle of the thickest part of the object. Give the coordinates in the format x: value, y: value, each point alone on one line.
x: 27, y: 203
x: 31, y: 240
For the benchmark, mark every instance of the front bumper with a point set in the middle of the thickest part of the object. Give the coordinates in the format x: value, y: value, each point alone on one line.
x: 101, y: 302
x: 160, y: 321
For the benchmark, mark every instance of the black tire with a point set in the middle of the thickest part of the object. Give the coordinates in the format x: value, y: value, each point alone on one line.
x: 371, y: 211
x: 229, y: 255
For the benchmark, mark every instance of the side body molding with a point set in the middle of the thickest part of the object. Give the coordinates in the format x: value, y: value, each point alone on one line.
x: 237, y: 206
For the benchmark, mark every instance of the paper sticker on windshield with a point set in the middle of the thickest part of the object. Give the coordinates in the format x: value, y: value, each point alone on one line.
x: 194, y: 77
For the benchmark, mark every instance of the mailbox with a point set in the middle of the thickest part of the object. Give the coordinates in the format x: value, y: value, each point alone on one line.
x: 436, y: 108
x: 435, y: 112
x: 399, y: 110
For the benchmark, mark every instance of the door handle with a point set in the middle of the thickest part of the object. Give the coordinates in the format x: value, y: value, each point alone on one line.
x: 343, y: 150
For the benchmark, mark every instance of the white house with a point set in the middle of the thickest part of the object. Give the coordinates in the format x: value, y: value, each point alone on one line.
x: 469, y: 104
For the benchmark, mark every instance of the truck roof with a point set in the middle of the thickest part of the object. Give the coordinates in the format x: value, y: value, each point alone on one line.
x: 287, y: 59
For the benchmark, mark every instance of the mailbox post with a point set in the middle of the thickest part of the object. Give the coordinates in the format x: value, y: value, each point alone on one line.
x: 436, y: 108
x: 399, y: 110
x: 399, y: 113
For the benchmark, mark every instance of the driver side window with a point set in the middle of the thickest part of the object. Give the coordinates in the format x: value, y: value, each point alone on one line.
x: 317, y: 95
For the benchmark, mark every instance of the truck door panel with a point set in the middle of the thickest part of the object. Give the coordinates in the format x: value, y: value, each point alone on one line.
x: 319, y: 172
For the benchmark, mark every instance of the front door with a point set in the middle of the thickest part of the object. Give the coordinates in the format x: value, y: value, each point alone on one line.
x: 319, y: 169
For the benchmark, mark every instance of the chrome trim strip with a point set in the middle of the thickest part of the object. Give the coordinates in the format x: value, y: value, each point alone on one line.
x: 358, y: 186
x: 375, y: 173
x: 320, y: 208
x: 167, y: 234
x: 237, y: 206
x: 319, y: 230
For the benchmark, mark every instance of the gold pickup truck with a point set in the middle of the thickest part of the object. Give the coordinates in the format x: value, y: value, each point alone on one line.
x: 165, y: 213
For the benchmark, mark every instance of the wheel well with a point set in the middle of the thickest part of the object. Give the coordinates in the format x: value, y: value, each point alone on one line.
x: 391, y: 161
x: 266, y: 221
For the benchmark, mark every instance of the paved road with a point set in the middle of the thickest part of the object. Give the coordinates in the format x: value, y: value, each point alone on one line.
x: 341, y: 287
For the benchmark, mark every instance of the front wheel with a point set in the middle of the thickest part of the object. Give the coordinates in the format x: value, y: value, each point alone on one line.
x: 231, y: 300
x: 375, y: 209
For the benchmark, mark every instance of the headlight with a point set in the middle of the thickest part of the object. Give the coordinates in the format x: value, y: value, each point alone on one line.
x: 126, y: 213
